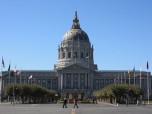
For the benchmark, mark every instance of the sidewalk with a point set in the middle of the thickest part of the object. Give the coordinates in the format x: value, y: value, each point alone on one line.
x: 108, y: 104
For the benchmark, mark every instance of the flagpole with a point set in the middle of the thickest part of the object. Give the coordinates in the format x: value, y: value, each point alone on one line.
x: 9, y: 68
x: 2, y: 66
x: 9, y: 77
x: 13, y: 93
x: 147, y: 83
x: 9, y: 72
x: 121, y: 77
x: 20, y: 78
x: 1, y: 83
x: 129, y: 79
x: 134, y: 77
x: 15, y: 77
x: 140, y: 78
x: 118, y: 79
x: 129, y: 75
x: 18, y: 74
x: 134, y: 80
x: 125, y: 77
x: 148, y: 86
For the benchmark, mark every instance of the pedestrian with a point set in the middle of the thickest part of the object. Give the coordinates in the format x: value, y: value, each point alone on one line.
x: 93, y: 100
x: 143, y: 102
x: 127, y: 101
x: 75, y: 103
x: 65, y: 103
x: 137, y: 102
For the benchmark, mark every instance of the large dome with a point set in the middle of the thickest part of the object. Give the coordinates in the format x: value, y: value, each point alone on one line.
x: 75, y: 33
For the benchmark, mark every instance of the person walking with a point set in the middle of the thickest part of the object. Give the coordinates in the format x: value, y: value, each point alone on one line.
x: 65, y: 103
x: 137, y: 102
x: 75, y: 103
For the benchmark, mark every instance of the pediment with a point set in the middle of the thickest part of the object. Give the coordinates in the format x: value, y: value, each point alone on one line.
x: 75, y: 66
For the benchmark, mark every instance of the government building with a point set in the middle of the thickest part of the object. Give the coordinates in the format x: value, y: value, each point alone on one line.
x: 75, y: 74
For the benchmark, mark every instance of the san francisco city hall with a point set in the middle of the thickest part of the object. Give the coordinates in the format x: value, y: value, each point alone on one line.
x: 76, y: 74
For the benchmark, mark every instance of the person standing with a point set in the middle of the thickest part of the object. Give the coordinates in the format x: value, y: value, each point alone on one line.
x: 75, y: 103
x: 65, y: 103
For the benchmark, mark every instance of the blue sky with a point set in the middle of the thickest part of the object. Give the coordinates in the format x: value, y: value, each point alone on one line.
x: 120, y: 30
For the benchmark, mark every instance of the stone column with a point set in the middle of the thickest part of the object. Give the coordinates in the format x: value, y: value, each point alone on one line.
x: 66, y: 53
x: 85, y: 80
x: 46, y: 80
x: 59, y: 80
x: 60, y: 53
x: 71, y: 80
x: 65, y: 80
x: 62, y: 81
x: 89, y: 79
x: 103, y: 82
x: 51, y: 83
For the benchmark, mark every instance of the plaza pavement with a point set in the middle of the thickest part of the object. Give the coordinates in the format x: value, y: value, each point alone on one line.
x: 99, y: 108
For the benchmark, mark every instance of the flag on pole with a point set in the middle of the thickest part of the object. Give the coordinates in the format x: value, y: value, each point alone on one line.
x: 30, y: 77
x: 9, y: 67
x: 18, y: 72
x: 3, y: 64
x: 147, y: 65
x: 15, y: 68
x: 140, y: 70
x: 134, y: 70
x: 129, y: 72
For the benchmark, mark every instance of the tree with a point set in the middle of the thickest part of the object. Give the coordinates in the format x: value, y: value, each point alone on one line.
x: 29, y: 93
x: 119, y: 92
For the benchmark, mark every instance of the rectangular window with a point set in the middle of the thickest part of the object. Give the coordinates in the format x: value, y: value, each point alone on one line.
x: 107, y: 81
x: 63, y: 55
x: 75, y: 54
x: 75, y: 81
x: 44, y: 81
x: 81, y: 54
x: 97, y: 84
x: 68, y: 81
x: 111, y: 81
x: 49, y: 81
x: 54, y: 84
x: 69, y: 54
x: 82, y: 81
x: 87, y: 54
x: 39, y: 81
